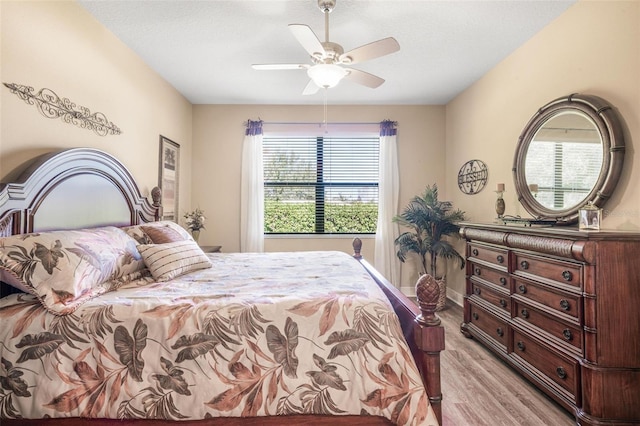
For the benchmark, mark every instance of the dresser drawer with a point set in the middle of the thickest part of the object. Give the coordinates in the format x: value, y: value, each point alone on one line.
x: 561, y: 370
x: 496, y: 298
x: 569, y: 336
x: 560, y: 302
x: 546, y: 269
x: 494, y: 327
x: 500, y: 279
x: 494, y: 255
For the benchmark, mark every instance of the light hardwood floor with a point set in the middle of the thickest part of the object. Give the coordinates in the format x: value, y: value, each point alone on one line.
x: 480, y: 389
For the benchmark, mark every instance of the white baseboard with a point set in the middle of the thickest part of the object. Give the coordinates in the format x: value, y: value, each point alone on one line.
x: 408, y: 291
x: 455, y: 297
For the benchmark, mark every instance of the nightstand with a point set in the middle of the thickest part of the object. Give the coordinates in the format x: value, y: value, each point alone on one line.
x: 211, y: 249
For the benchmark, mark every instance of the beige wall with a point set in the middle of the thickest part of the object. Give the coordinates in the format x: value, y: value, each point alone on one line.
x: 593, y: 48
x: 218, y: 133
x: 59, y: 46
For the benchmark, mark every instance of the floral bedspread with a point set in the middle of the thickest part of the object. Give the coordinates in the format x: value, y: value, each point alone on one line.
x: 257, y: 334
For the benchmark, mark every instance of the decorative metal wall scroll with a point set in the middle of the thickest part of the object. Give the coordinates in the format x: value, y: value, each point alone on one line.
x: 52, y: 106
x: 472, y: 176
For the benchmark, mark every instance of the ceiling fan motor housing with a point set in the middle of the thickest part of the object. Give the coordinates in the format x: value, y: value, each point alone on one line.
x: 332, y: 53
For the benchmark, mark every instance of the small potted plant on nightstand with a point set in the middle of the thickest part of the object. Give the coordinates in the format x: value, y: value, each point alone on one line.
x: 429, y: 220
x: 195, y: 222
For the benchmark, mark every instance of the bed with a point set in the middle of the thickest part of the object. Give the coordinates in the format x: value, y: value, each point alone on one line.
x: 111, y: 316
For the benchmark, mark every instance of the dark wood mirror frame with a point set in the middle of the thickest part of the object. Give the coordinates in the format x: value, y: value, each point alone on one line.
x: 608, y: 124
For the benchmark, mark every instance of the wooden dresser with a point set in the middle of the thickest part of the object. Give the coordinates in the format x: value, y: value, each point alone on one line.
x: 562, y: 307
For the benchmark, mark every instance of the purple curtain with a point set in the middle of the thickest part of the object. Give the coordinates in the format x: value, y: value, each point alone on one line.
x: 254, y: 128
x: 388, y: 128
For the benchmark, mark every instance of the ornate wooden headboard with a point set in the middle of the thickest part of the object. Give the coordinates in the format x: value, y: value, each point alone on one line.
x: 72, y: 188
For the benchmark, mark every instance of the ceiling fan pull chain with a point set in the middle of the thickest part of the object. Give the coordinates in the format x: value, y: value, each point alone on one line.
x: 326, y: 130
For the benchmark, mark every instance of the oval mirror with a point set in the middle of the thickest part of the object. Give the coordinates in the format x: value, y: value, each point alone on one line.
x: 569, y: 154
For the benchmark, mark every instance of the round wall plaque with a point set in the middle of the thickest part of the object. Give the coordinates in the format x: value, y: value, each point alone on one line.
x: 472, y: 176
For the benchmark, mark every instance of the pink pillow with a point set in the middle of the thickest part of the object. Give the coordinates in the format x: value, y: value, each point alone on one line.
x: 137, y: 232
x: 162, y: 234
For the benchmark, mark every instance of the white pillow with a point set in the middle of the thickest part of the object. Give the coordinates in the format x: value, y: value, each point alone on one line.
x: 170, y: 260
x: 64, y: 269
x: 8, y: 277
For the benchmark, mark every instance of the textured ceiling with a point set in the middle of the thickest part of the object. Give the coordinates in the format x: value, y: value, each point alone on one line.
x: 205, y: 48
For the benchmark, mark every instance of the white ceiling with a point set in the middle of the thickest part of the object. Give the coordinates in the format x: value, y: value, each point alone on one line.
x: 205, y: 48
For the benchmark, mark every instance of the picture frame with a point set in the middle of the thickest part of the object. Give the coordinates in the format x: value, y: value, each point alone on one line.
x: 169, y: 178
x: 589, y: 217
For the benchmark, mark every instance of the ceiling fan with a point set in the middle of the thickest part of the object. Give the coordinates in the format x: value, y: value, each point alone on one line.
x: 329, y: 58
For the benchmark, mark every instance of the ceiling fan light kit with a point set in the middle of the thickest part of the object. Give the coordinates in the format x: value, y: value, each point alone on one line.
x: 326, y: 75
x: 329, y: 57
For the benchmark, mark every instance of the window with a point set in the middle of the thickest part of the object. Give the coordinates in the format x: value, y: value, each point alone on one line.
x: 320, y: 185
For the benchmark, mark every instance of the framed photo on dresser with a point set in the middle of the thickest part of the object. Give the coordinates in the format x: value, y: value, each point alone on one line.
x: 168, y: 179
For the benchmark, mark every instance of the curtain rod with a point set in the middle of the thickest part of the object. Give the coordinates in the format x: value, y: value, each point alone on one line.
x: 319, y: 123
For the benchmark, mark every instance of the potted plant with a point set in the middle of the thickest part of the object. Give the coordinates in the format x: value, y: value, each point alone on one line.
x: 429, y: 220
x: 195, y: 222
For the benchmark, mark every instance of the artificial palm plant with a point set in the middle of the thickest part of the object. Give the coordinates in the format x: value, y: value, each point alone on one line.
x: 429, y: 220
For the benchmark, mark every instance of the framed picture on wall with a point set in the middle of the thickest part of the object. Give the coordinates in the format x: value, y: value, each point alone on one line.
x: 168, y: 179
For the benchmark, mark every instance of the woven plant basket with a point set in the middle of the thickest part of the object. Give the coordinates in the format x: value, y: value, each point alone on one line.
x: 442, y: 297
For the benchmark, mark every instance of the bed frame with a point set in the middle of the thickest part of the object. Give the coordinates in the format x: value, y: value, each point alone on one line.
x: 84, y: 187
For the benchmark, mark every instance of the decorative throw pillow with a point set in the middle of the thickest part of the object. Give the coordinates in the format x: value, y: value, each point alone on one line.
x: 167, y: 261
x: 138, y: 232
x: 64, y: 267
x: 162, y: 234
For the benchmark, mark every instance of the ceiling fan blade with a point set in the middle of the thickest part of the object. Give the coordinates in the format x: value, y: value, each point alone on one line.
x: 311, y: 88
x: 307, y: 38
x: 280, y: 66
x: 370, y: 51
x: 363, y: 78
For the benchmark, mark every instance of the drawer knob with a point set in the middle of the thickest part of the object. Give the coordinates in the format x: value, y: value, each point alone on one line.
x: 522, y: 289
x: 477, y: 271
x: 520, y: 346
x: 503, y: 303
x: 566, y: 333
x: 477, y: 291
x: 500, y: 258
x: 503, y: 281
x: 565, y: 305
x: 475, y: 252
x: 524, y: 264
x: 500, y: 331
x: 475, y: 316
x: 524, y: 313
x: 562, y: 373
x: 567, y: 275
